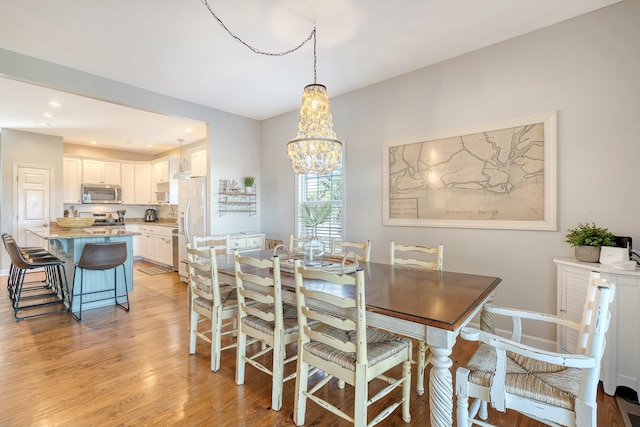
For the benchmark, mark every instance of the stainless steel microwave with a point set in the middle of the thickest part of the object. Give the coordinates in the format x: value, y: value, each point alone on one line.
x: 98, y: 193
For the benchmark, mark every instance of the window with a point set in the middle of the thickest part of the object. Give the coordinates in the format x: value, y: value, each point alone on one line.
x: 318, y: 190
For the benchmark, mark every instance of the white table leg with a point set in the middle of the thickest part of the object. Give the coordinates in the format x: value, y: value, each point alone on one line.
x: 441, y: 388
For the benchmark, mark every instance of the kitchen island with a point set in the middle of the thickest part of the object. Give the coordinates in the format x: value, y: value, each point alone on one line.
x: 67, y: 244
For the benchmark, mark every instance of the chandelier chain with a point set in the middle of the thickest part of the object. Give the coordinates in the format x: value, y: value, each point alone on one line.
x: 312, y: 35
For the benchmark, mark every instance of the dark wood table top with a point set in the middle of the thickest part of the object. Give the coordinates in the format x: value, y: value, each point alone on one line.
x: 440, y: 299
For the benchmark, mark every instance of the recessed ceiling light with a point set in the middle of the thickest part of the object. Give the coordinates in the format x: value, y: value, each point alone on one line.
x: 46, y: 114
x: 149, y: 145
x: 92, y: 142
x: 43, y: 124
x: 55, y: 104
x: 188, y: 130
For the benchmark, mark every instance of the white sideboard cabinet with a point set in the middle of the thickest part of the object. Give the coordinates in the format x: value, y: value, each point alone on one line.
x: 621, y: 361
x: 244, y: 242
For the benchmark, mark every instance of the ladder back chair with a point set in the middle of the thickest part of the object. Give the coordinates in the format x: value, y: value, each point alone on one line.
x: 263, y: 317
x: 422, y: 257
x: 362, y: 250
x: 552, y: 388
x: 345, y: 349
x: 211, y: 304
x: 295, y: 243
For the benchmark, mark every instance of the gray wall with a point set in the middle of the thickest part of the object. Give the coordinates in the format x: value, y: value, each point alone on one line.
x: 28, y: 149
x: 585, y: 68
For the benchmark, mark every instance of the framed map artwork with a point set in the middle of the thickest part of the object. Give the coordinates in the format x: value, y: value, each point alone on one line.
x: 499, y: 175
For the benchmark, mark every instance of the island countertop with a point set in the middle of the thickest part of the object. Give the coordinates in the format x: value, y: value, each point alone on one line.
x: 73, y: 233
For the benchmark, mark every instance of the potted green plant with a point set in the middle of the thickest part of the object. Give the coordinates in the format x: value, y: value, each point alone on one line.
x: 248, y: 183
x: 587, y: 239
x: 313, y: 216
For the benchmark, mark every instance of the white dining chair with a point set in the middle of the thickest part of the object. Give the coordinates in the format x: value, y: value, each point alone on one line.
x: 361, y: 249
x: 264, y: 317
x: 295, y: 243
x: 211, y: 305
x: 422, y: 257
x: 345, y: 349
x: 550, y: 387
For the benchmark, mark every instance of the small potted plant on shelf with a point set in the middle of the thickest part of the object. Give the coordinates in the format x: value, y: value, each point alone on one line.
x: 587, y: 239
x: 248, y: 184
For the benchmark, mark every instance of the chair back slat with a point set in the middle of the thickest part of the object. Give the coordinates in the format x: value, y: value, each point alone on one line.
x: 203, y: 272
x: 259, y: 288
x: 430, y: 257
x: 361, y: 249
x: 305, y: 291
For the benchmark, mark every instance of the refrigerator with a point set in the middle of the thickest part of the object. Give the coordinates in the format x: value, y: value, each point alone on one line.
x: 192, y: 217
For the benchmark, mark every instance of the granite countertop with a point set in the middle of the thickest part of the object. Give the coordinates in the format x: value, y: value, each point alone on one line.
x: 72, y: 233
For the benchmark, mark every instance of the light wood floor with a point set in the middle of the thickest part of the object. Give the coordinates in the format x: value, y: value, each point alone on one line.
x: 125, y: 369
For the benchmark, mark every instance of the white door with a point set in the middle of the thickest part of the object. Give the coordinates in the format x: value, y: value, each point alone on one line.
x: 33, y: 204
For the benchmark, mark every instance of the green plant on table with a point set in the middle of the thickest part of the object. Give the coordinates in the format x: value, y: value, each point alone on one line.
x: 590, y: 235
x: 314, y: 215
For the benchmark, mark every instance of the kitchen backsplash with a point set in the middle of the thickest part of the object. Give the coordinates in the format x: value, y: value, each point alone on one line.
x: 167, y: 212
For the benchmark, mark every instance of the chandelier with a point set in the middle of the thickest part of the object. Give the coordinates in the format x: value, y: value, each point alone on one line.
x: 315, y: 149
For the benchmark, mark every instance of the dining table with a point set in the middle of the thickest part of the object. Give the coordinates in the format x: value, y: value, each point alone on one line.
x: 427, y: 305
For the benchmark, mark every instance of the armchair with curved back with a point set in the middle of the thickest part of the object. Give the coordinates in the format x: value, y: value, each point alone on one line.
x: 550, y: 387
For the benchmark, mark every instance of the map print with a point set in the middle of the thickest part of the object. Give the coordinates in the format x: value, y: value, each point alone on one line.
x: 494, y: 175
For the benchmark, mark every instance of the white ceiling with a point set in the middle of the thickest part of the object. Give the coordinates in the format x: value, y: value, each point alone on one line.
x: 176, y: 48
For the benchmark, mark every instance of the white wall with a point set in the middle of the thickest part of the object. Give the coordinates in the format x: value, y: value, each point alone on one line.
x: 585, y: 68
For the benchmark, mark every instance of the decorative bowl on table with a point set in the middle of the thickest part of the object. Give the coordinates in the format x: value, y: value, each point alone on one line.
x: 75, y: 222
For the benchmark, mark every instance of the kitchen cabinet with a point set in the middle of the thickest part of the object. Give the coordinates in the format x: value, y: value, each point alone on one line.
x: 243, y: 242
x: 162, y: 172
x: 72, y: 179
x: 199, y: 163
x: 142, y: 185
x: 620, y: 365
x: 136, y: 240
x: 157, y: 244
x: 128, y: 183
x: 101, y: 172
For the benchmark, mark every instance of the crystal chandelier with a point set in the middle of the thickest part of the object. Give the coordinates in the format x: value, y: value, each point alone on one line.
x: 315, y: 149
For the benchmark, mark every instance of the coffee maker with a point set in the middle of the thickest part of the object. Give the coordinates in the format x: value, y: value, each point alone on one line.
x: 150, y: 215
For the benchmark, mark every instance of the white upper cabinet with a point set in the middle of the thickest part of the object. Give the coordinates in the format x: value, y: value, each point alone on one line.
x: 101, y: 172
x: 163, y: 170
x: 128, y: 183
x: 199, y: 163
x: 72, y: 180
x: 143, y: 183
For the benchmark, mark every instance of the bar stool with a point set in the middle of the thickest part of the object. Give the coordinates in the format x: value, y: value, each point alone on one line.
x: 101, y: 257
x: 28, y: 253
x: 55, y: 283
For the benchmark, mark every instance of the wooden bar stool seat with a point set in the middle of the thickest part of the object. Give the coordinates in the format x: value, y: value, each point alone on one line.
x: 102, y: 257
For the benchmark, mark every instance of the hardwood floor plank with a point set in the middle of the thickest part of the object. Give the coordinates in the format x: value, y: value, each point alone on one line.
x: 134, y: 369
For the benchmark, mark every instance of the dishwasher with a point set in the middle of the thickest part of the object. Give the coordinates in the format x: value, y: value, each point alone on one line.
x: 174, y: 245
